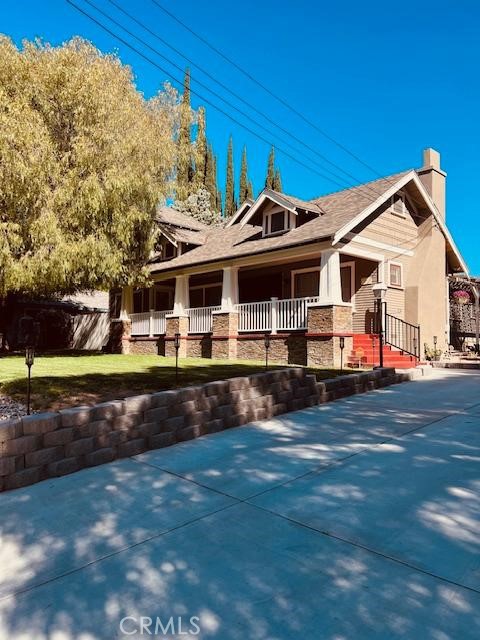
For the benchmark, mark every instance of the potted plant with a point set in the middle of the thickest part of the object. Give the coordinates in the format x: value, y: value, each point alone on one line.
x: 461, y: 296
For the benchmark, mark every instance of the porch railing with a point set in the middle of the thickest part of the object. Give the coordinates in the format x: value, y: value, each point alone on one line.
x: 402, y: 335
x: 274, y: 315
x: 200, y: 319
x: 148, y: 323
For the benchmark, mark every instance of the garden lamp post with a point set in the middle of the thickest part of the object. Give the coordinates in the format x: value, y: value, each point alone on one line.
x: 379, y: 293
x: 177, y: 347
x: 29, y: 360
x: 266, y: 342
x: 342, y: 347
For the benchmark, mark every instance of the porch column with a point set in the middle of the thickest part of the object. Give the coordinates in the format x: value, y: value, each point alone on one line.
x: 229, y: 288
x: 225, y: 321
x: 182, y: 295
x: 177, y: 322
x: 330, y: 289
x: 127, y: 303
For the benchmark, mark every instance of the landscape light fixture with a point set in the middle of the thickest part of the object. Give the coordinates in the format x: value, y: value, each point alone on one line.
x: 177, y: 347
x: 379, y: 293
x: 342, y: 347
x: 29, y: 360
x: 266, y: 341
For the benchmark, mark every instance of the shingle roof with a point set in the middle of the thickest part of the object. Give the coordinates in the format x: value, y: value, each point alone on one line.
x: 171, y: 216
x: 334, y: 211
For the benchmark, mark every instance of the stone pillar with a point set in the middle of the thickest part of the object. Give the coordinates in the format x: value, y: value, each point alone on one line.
x: 330, y: 288
x: 326, y: 324
x: 120, y: 332
x: 176, y: 324
x: 225, y: 335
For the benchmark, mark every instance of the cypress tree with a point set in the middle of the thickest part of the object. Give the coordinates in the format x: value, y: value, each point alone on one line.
x: 270, y: 178
x: 250, y: 190
x: 201, y: 151
x: 243, y: 192
x: 277, y: 181
x: 230, y: 205
x: 210, y: 177
x: 184, y: 144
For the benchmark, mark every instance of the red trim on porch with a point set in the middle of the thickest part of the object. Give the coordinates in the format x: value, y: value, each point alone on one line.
x: 329, y: 335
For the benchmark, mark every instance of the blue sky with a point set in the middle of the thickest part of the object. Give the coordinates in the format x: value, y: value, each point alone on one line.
x: 384, y: 79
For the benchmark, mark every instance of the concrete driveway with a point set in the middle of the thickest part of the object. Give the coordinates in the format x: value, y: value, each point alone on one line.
x: 358, y: 519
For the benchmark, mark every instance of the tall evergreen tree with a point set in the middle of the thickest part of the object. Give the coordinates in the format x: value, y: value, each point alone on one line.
x: 242, y: 194
x: 277, y: 181
x: 246, y: 190
x: 201, y: 151
x: 184, y: 144
x: 270, y: 170
x: 230, y: 205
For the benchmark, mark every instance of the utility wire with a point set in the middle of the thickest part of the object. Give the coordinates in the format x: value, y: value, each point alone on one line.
x: 255, y: 122
x: 201, y: 97
x: 262, y: 86
x: 217, y: 95
x: 356, y: 181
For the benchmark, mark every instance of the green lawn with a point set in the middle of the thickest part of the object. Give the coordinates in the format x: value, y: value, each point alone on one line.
x: 67, y: 380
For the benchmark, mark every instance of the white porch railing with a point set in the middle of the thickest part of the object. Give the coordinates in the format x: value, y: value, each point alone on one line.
x: 274, y: 315
x: 149, y: 323
x: 200, y: 319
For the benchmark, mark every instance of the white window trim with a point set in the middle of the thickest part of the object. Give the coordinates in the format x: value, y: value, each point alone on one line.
x: 288, y: 221
x: 395, y: 264
x: 399, y: 214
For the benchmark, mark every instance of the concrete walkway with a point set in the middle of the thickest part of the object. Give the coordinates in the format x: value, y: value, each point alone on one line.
x: 358, y: 519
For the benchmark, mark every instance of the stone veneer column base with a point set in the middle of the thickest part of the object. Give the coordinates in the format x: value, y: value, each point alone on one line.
x: 176, y: 324
x: 120, y: 332
x: 225, y: 335
x: 326, y: 324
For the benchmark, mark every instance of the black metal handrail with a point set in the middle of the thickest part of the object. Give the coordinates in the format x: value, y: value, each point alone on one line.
x: 402, y: 335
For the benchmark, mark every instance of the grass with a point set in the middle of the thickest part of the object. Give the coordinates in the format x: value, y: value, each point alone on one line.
x: 60, y: 381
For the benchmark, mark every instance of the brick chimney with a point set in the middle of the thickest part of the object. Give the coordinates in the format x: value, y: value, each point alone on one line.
x: 433, y: 178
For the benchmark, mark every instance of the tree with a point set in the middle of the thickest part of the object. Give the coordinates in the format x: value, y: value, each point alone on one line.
x: 230, y: 204
x: 198, y: 205
x: 277, y: 181
x: 211, y: 179
x: 185, y: 170
x: 246, y: 189
x: 269, y: 180
x: 201, y: 151
x: 84, y: 160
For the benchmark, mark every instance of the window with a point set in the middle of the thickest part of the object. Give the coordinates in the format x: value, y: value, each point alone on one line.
x: 162, y: 298
x: 209, y: 295
x: 141, y: 300
x: 277, y: 221
x: 398, y: 205
x: 396, y: 274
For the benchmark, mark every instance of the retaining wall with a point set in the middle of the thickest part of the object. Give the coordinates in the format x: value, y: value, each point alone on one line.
x: 52, y: 444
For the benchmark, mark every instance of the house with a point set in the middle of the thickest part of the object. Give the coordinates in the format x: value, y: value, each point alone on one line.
x: 304, y: 271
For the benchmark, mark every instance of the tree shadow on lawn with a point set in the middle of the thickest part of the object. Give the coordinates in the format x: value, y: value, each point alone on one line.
x: 56, y: 392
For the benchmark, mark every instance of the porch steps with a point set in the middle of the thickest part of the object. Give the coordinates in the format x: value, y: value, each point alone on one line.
x: 366, y: 353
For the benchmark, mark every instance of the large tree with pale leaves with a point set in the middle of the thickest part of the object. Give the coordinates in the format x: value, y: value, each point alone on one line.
x: 84, y: 160
x: 199, y: 206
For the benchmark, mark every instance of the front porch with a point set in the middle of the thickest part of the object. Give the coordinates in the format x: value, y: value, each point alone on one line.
x: 318, y: 303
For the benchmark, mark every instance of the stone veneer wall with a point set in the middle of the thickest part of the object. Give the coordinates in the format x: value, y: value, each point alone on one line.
x: 325, y: 326
x: 52, y: 444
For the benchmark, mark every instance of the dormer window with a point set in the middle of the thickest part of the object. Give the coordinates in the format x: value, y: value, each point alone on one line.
x: 277, y: 221
x: 398, y: 205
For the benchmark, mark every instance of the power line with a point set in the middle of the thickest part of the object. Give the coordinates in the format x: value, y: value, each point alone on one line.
x: 262, y: 86
x: 233, y: 93
x: 201, y: 97
x: 255, y: 122
x: 217, y: 95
